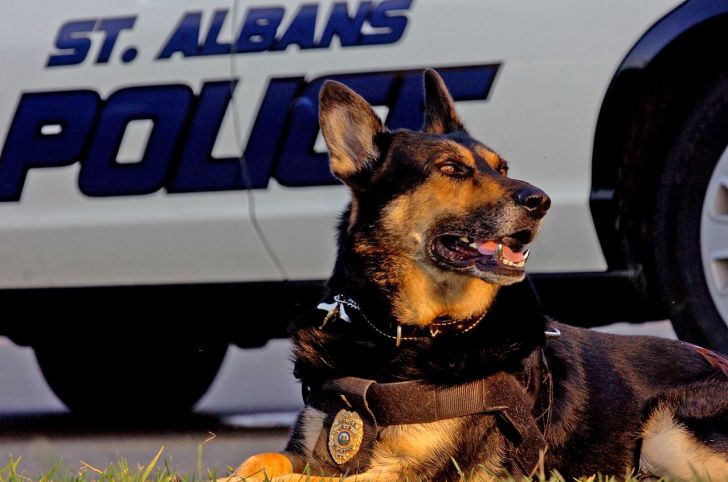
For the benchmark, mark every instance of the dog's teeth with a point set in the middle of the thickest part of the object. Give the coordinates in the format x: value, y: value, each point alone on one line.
x: 499, y: 252
x: 473, y: 245
x: 525, y: 255
x: 464, y: 239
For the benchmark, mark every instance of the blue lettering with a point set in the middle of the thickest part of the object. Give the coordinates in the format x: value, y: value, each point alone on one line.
x: 258, y: 32
x: 470, y: 82
x: 268, y: 132
x: 71, y: 36
x: 259, y: 29
x: 348, y: 29
x: 57, y: 129
x: 167, y: 106
x: 198, y: 170
x: 301, y: 31
x: 26, y: 145
x: 185, y: 37
x: 211, y: 46
x: 464, y: 83
x: 407, y: 111
x: 112, y: 27
x: 381, y: 18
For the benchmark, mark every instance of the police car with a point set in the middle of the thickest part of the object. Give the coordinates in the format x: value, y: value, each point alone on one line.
x: 164, y: 190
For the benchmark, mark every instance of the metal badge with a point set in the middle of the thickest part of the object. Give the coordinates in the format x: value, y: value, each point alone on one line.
x: 345, y: 436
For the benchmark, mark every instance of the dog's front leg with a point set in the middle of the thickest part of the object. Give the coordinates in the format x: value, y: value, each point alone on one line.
x: 363, y: 477
x: 265, y: 466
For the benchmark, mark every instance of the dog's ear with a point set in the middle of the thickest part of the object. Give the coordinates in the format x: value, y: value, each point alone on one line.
x: 440, y: 115
x: 349, y: 126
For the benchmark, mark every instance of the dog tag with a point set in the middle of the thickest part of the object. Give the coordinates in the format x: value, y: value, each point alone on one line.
x: 345, y: 436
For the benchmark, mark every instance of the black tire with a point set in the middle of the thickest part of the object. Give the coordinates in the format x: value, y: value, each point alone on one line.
x: 677, y: 222
x: 136, y: 376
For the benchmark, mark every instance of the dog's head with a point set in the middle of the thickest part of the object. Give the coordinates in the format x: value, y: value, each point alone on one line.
x: 434, y: 218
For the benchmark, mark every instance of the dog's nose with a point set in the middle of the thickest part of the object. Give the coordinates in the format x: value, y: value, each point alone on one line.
x: 534, y: 200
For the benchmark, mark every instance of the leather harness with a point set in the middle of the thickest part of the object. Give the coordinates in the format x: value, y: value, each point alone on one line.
x: 413, y: 402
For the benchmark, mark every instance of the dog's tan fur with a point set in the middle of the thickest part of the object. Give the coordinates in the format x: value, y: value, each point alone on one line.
x: 401, y: 450
x: 670, y: 450
x: 427, y: 293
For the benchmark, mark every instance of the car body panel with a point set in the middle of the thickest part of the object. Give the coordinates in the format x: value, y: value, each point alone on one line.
x: 554, y: 64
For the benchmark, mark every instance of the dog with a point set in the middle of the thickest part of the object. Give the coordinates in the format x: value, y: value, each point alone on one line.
x: 431, y: 358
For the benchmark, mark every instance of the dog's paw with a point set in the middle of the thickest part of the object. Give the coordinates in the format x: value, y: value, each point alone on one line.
x: 261, y: 467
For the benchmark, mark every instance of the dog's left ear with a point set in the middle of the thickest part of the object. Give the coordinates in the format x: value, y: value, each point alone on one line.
x: 440, y: 115
x: 350, y: 127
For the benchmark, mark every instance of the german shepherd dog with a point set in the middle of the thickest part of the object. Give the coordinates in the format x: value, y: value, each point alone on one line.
x: 432, y: 359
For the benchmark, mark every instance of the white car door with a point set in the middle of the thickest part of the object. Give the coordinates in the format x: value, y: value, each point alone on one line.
x: 120, y: 163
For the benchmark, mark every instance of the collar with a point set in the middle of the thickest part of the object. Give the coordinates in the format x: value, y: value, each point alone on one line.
x: 337, y: 310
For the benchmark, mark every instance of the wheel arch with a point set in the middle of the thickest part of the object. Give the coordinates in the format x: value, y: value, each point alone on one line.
x: 650, y: 95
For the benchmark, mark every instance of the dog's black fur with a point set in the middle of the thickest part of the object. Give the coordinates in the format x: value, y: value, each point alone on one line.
x: 597, y: 397
x: 604, y: 386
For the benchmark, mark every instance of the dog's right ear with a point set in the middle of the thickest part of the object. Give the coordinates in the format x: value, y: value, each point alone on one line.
x: 349, y: 126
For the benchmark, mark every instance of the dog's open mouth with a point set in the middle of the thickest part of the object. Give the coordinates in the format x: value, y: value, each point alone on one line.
x: 505, y: 256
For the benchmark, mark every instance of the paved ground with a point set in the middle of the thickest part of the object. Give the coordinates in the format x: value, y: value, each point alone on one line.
x: 35, y: 425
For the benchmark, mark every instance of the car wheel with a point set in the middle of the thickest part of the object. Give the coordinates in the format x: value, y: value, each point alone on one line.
x: 690, y: 238
x: 130, y: 376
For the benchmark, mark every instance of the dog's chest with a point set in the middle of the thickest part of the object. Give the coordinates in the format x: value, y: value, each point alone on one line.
x: 354, y: 425
x: 419, y: 451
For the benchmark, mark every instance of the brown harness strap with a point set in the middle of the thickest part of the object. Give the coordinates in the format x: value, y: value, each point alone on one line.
x: 417, y: 402
x: 399, y: 403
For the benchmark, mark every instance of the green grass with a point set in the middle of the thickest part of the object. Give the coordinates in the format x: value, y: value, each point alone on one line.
x: 158, y: 470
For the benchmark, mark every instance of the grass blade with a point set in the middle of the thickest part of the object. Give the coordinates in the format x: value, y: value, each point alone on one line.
x: 151, y: 465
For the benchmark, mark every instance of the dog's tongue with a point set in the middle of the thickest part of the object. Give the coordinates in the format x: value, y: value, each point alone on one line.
x: 489, y: 247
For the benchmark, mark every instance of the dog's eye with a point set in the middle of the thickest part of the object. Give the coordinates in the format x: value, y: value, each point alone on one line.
x: 503, y: 170
x: 448, y: 169
x: 453, y: 169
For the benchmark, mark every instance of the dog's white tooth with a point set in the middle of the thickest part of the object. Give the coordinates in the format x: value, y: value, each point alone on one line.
x: 499, y: 252
x: 525, y: 255
x: 464, y: 239
x: 473, y: 245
